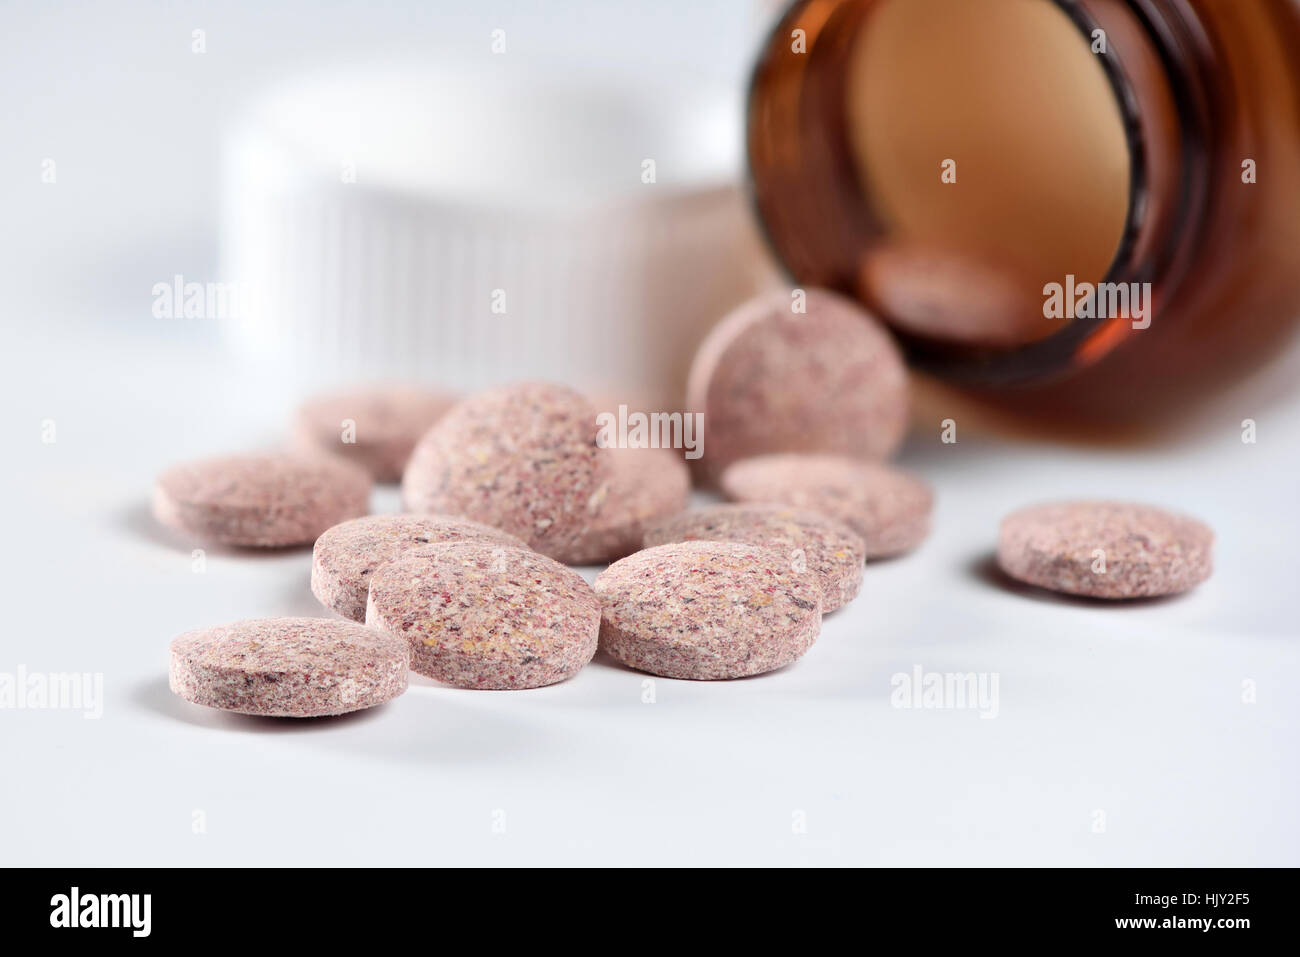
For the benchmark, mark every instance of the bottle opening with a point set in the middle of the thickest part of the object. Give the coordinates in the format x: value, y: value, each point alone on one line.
x: 990, y: 151
x: 964, y: 167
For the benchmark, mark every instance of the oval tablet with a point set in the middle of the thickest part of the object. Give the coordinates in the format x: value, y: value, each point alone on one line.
x: 707, y: 610
x: 486, y: 616
x: 811, y: 542
x: 521, y: 458
x: 1105, y: 549
x: 769, y: 379
x: 345, y: 556
x: 268, y: 501
x: 888, y: 507
x: 288, y: 667
x: 375, y: 428
x: 645, y: 485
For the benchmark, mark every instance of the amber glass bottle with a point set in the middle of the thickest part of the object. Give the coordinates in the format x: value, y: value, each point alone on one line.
x: 1088, y: 207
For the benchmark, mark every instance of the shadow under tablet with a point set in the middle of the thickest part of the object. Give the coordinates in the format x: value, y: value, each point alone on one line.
x: 986, y: 569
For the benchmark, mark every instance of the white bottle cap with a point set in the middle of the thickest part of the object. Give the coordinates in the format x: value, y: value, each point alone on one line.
x: 479, y: 224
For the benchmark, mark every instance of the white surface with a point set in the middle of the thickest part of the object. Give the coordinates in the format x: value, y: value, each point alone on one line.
x: 1135, y: 711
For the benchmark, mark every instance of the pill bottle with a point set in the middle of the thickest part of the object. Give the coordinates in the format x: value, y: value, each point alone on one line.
x: 1088, y: 207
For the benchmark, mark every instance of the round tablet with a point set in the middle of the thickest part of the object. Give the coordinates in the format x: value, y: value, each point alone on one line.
x: 486, y: 616
x: 266, y: 501
x: 645, y: 485
x: 288, y: 667
x: 521, y: 458
x: 811, y: 542
x: 888, y: 507
x: 939, y: 295
x: 1105, y: 549
x: 707, y: 610
x: 375, y: 428
x: 346, y: 555
x: 769, y: 379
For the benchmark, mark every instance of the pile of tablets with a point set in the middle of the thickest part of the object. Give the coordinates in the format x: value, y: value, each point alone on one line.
x: 505, y: 489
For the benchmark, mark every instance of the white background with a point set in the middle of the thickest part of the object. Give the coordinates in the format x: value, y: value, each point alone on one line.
x: 1136, y: 711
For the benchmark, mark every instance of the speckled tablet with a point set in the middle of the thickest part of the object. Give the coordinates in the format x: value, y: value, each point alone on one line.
x: 888, y: 507
x: 950, y: 297
x: 812, y: 543
x: 267, y: 501
x: 769, y: 379
x: 288, y: 667
x: 346, y: 555
x: 486, y: 616
x: 521, y: 458
x: 1105, y: 549
x: 646, y: 484
x: 375, y: 428
x: 707, y: 610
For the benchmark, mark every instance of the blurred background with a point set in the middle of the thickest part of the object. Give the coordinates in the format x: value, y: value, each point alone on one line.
x: 140, y: 116
x: 462, y: 194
